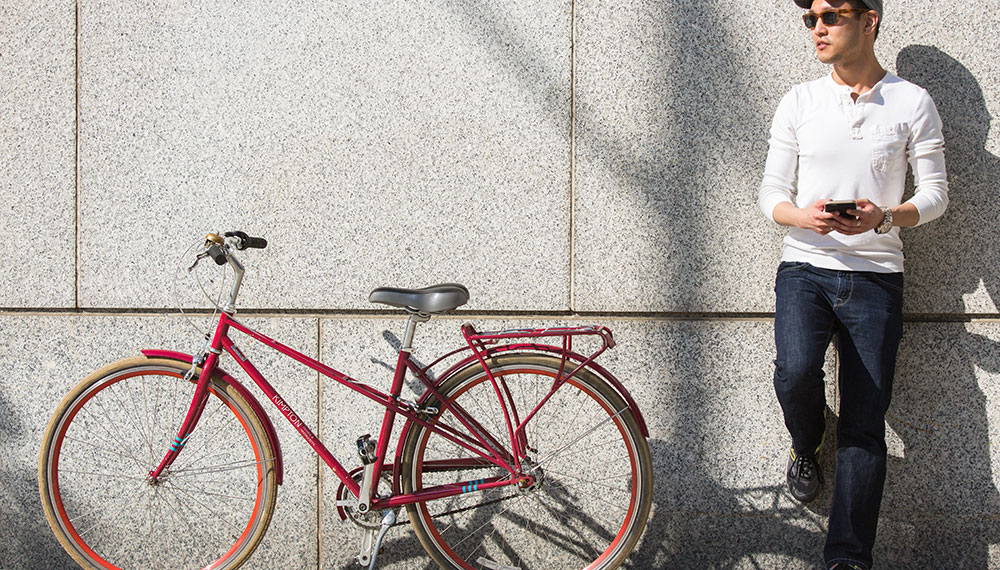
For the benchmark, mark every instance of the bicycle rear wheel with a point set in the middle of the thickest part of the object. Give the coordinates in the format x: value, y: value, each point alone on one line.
x: 594, y: 476
x: 210, y: 509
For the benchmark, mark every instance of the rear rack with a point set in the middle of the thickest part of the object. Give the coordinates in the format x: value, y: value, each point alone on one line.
x: 493, y: 337
x: 478, y: 342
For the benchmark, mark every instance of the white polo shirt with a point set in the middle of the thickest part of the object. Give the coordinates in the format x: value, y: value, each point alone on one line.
x: 825, y: 145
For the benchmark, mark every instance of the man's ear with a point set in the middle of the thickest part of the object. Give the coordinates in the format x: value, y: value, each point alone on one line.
x: 871, y: 21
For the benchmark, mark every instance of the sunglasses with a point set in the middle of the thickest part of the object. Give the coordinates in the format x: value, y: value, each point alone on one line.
x: 829, y: 18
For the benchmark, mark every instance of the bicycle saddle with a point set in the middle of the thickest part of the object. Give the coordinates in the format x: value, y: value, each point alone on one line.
x: 433, y: 299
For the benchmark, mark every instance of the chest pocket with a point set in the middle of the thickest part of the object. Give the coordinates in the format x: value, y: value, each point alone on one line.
x: 888, y: 144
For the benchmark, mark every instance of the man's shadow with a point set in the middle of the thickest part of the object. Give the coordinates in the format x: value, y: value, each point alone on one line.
x: 941, y: 504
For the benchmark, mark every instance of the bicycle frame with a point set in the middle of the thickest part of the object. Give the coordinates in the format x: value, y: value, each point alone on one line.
x: 476, y: 439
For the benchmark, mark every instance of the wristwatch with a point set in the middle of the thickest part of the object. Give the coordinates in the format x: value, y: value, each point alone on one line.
x: 886, y: 224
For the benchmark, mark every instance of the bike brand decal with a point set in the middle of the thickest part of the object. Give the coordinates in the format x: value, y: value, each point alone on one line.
x: 474, y: 486
x: 287, y: 411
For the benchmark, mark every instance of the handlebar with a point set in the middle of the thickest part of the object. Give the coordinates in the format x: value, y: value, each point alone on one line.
x: 237, y: 239
x: 217, y: 245
x: 220, y: 250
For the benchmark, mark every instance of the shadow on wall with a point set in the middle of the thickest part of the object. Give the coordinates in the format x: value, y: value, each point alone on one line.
x: 696, y: 522
x: 29, y: 543
x: 941, y: 499
x: 756, y: 527
x: 958, y: 253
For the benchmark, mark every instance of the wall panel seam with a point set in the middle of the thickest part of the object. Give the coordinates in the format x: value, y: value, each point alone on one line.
x: 572, y: 155
x: 76, y: 154
x: 348, y: 314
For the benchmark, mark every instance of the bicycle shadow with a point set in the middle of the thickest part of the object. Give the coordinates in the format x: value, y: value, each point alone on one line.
x: 941, y: 496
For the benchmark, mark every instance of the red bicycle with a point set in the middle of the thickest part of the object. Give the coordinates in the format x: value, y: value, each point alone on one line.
x: 523, y: 454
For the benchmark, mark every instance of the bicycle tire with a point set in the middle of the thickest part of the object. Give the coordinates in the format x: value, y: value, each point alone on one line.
x: 596, y: 475
x: 210, y: 509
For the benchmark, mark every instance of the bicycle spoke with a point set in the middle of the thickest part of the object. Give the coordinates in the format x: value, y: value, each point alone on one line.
x: 600, y: 498
x: 97, y: 447
x: 577, y: 410
x: 194, y: 511
x: 484, y: 525
x: 130, y: 414
x: 556, y: 453
x: 116, y: 439
x: 105, y: 475
x: 590, y: 480
x: 121, y: 509
x: 216, y: 514
x: 220, y: 468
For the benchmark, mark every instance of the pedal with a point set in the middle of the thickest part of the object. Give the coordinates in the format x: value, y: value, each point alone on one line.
x: 366, y: 449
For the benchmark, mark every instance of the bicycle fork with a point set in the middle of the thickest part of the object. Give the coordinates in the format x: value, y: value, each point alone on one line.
x: 193, y: 415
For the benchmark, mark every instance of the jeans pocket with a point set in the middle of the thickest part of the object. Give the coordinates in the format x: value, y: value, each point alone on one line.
x: 791, y: 266
x: 891, y: 281
x: 788, y: 270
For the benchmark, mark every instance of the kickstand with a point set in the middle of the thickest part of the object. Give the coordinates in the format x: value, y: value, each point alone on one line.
x: 388, y: 519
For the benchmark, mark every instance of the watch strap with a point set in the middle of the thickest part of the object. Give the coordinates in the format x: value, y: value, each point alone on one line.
x: 886, y: 224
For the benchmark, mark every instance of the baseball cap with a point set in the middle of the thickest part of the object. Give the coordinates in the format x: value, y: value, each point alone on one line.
x: 872, y: 5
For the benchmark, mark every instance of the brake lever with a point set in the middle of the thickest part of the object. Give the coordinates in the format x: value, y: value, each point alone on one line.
x: 197, y: 260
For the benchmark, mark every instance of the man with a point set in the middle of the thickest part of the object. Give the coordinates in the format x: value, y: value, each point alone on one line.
x: 847, y: 136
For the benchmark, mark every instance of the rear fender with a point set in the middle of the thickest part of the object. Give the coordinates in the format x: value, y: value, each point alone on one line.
x: 272, y: 435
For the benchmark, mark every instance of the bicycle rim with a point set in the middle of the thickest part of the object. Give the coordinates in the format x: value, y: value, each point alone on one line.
x: 209, y: 510
x: 594, y: 489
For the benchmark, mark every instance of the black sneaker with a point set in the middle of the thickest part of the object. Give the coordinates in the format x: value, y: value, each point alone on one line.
x: 805, y: 478
x: 845, y: 566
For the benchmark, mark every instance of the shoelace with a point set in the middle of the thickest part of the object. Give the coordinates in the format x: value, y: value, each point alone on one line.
x: 803, y: 467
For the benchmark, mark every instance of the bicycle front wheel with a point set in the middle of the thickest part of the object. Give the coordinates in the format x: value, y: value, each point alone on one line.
x: 593, y: 474
x: 210, y: 509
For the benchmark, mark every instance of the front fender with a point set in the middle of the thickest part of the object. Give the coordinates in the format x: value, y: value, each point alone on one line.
x: 272, y: 435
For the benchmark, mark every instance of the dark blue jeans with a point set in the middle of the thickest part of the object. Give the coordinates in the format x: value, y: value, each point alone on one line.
x: 863, y: 311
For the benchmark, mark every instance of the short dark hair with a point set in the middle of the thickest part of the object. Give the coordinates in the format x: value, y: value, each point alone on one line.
x: 859, y: 5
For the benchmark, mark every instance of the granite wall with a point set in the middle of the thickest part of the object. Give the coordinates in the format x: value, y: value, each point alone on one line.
x: 569, y: 161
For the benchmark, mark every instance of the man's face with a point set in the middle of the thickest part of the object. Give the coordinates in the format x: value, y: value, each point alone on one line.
x: 842, y: 42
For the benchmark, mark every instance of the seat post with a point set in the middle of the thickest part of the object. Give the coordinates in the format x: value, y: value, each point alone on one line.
x: 411, y: 329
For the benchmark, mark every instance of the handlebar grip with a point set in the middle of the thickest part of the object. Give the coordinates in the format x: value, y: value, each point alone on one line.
x: 216, y: 253
x: 256, y: 242
x: 247, y: 241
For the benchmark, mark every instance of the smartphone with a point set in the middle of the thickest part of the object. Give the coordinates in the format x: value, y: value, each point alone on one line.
x: 840, y: 207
